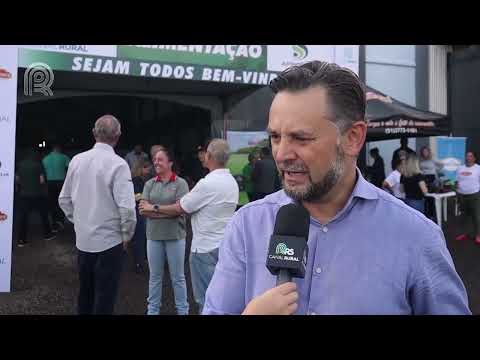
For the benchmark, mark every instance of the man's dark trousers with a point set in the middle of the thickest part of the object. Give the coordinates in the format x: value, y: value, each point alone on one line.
x: 99, y: 275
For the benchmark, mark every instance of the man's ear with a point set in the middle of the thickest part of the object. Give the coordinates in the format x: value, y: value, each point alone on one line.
x: 354, y: 138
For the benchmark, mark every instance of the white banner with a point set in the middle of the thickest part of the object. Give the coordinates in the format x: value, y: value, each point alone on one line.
x: 8, y: 110
x: 100, y: 50
x: 281, y: 57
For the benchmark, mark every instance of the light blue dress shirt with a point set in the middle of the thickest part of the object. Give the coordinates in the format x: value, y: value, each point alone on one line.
x: 376, y: 256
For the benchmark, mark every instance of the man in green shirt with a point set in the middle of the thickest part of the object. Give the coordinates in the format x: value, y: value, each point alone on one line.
x: 247, y: 175
x: 56, y: 165
x: 32, y: 195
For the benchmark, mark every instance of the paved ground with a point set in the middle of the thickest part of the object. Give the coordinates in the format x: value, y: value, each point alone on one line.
x: 45, y: 282
x: 44, y: 278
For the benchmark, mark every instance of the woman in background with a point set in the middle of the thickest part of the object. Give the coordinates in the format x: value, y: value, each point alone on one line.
x: 165, y: 235
x: 429, y: 168
x: 140, y: 174
x: 414, y: 184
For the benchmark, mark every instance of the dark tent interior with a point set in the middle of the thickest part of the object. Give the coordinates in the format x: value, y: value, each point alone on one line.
x: 179, y: 114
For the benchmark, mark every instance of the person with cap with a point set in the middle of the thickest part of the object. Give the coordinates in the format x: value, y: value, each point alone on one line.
x: 202, y: 170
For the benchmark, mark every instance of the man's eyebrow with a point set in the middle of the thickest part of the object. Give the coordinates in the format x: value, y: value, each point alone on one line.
x: 304, y: 133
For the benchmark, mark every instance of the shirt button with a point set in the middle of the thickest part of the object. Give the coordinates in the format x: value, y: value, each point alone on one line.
x: 318, y: 270
x: 325, y: 229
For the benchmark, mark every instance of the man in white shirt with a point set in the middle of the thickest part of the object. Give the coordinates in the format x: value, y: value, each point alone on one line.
x: 392, y: 184
x: 98, y: 198
x: 211, y: 203
x: 468, y: 190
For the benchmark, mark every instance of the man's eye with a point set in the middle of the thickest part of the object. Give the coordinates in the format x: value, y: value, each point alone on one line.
x: 275, y: 137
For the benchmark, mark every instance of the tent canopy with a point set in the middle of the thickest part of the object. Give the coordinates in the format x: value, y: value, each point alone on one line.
x: 388, y: 118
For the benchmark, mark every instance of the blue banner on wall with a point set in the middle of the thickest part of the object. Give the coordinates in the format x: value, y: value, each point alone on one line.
x: 451, y: 153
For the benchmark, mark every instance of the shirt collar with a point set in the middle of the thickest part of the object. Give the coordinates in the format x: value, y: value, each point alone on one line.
x: 103, y: 146
x: 363, y: 189
x: 216, y: 171
x: 173, y: 177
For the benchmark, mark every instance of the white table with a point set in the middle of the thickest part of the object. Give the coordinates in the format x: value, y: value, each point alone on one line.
x: 441, y: 205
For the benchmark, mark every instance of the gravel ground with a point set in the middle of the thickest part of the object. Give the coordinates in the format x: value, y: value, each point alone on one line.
x: 44, y: 278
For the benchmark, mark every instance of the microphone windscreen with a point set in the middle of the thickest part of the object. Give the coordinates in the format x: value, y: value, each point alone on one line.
x: 292, y: 220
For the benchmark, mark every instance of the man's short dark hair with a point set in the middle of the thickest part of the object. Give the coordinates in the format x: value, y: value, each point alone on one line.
x: 345, y: 91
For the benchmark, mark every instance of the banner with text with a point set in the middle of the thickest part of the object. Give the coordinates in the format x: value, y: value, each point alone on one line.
x: 145, y: 68
x: 451, y: 153
x: 8, y: 110
x: 242, y: 64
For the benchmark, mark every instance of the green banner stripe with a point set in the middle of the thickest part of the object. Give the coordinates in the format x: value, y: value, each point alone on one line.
x: 119, y: 66
x: 231, y: 60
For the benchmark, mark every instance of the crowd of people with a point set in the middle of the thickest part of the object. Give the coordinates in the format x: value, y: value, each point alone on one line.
x: 414, y: 176
x: 38, y: 183
x: 317, y: 131
x: 117, y: 203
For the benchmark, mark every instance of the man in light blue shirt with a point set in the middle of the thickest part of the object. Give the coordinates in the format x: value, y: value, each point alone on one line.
x: 369, y: 253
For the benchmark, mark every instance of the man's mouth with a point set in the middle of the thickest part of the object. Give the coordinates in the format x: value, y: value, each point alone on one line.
x: 291, y: 173
x: 293, y: 177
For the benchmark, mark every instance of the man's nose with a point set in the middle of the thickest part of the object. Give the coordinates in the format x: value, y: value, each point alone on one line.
x: 283, y: 151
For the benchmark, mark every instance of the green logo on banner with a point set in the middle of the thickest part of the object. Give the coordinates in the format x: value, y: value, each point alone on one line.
x: 300, y: 52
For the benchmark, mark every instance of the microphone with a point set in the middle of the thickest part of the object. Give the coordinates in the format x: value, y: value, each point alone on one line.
x: 288, y: 250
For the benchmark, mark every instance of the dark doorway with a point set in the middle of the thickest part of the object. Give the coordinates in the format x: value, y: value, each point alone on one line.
x: 145, y: 121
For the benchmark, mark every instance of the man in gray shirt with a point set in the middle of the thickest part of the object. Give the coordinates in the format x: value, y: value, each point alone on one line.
x: 98, y: 198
